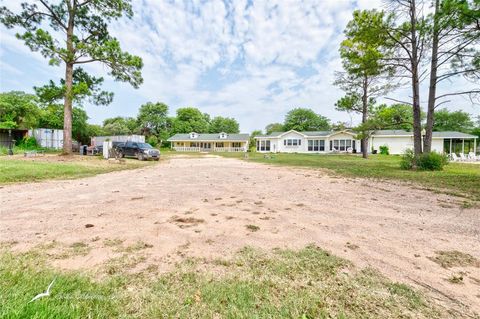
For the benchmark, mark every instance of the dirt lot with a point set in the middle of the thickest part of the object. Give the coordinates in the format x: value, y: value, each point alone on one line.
x: 209, y: 207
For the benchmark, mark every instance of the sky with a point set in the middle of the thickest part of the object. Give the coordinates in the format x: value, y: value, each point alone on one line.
x: 250, y: 60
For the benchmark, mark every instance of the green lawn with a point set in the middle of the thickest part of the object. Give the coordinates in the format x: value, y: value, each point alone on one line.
x: 309, y: 283
x: 23, y: 170
x: 456, y: 178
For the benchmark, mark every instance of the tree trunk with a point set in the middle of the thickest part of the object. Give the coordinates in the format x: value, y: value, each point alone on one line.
x: 67, y: 105
x: 417, y: 120
x: 365, y: 117
x: 67, y: 110
x: 432, y: 92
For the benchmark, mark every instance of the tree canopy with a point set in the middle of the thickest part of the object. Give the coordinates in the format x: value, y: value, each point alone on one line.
x: 18, y: 110
x: 75, y: 32
x: 274, y: 127
x: 190, y: 119
x: 224, y: 124
x: 446, y: 120
x: 302, y: 119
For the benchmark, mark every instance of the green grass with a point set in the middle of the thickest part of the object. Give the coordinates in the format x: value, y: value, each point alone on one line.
x: 308, y: 283
x: 18, y: 170
x: 456, y: 178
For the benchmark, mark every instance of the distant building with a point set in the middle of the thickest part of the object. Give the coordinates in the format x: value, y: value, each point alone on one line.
x: 217, y: 142
x: 346, y: 141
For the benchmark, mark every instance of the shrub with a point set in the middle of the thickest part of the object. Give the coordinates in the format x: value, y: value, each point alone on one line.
x: 152, y: 140
x: 384, y: 150
x: 432, y: 161
x: 28, y: 143
x: 408, y: 160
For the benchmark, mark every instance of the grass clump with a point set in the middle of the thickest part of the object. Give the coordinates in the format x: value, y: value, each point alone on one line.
x: 454, y: 258
x: 306, y: 283
x: 252, y: 228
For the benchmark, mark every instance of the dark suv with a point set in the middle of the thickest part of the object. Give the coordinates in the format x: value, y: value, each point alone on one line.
x: 142, y: 151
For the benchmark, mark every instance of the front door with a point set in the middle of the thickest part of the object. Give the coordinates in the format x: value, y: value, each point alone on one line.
x: 206, y: 146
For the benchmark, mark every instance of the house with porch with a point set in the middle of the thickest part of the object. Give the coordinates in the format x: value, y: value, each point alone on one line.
x: 217, y: 142
x: 346, y: 141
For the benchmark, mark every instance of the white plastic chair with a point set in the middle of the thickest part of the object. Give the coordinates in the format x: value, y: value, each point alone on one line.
x: 463, y: 158
x: 454, y: 157
x: 472, y: 157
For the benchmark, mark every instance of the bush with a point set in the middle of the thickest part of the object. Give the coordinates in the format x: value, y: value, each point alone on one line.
x: 408, y: 160
x: 152, y: 140
x: 384, y: 150
x: 28, y: 143
x: 432, y: 161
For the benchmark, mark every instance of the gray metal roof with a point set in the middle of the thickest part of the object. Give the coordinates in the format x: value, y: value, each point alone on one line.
x: 307, y: 133
x: 209, y: 137
x: 449, y: 134
x: 445, y: 134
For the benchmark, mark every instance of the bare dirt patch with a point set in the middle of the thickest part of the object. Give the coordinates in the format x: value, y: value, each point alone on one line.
x: 200, y: 207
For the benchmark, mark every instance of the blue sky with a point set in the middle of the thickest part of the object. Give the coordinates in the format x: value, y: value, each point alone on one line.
x: 251, y: 60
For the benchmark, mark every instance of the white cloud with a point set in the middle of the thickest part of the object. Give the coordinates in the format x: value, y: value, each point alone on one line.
x: 250, y: 60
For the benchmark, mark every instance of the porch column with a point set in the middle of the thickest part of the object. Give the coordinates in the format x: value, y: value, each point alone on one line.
x: 475, y: 146
x: 451, y: 145
x: 463, y: 145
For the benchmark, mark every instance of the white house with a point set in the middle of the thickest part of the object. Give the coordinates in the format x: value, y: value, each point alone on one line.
x: 217, y: 142
x: 346, y: 141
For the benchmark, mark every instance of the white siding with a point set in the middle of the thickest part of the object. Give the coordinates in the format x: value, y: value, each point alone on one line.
x: 437, y: 145
x: 302, y: 148
x: 98, y: 140
x: 396, y: 144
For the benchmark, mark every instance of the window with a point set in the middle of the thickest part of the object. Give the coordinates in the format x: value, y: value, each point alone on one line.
x: 336, y: 145
x: 223, y: 135
x: 236, y: 144
x: 292, y: 142
x: 316, y: 145
x: 193, y: 135
x: 219, y: 144
x: 263, y: 145
x: 342, y: 145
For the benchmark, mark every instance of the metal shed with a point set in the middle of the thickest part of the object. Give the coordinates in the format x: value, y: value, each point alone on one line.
x: 47, y: 137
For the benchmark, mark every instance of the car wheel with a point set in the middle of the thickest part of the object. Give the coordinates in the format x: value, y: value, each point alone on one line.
x: 140, y: 156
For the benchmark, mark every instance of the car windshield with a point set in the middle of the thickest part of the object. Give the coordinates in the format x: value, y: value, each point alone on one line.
x: 144, y: 145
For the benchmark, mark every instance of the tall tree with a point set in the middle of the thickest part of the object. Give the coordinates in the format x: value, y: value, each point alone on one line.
x: 302, y: 119
x: 363, y: 52
x: 52, y: 117
x: 455, y: 37
x: 406, y: 30
x: 153, y: 118
x: 224, y: 124
x: 75, y: 32
x: 274, y: 127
